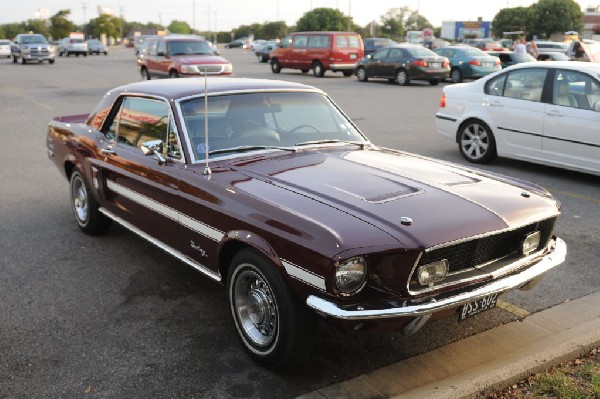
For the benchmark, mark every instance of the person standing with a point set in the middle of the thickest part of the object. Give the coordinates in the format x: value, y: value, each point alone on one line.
x: 520, y: 46
x: 533, y: 50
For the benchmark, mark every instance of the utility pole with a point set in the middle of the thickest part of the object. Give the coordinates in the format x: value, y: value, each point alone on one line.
x: 84, y: 6
x: 194, y: 16
x: 349, y: 15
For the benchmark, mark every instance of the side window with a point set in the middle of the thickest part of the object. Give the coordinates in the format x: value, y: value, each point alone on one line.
x: 525, y: 84
x: 381, y: 54
x: 575, y: 89
x: 318, y: 41
x: 142, y: 119
x: 152, y: 48
x: 300, y: 41
x: 285, y: 42
x: 161, y: 48
x: 495, y: 86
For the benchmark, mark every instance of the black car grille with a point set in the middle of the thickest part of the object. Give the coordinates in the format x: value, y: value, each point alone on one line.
x: 475, y: 252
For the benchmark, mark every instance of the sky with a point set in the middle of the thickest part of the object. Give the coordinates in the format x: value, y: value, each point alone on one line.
x: 224, y: 15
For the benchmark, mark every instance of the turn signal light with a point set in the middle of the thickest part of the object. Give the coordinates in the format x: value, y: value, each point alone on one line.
x: 443, y: 100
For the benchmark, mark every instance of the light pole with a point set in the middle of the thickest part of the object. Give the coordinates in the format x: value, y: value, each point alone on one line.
x: 84, y: 6
x: 349, y: 15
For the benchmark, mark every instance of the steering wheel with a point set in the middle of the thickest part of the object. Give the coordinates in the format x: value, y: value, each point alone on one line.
x: 305, y: 126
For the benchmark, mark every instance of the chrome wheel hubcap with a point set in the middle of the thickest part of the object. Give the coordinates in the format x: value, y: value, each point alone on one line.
x: 475, y: 141
x: 80, y: 200
x: 255, y: 308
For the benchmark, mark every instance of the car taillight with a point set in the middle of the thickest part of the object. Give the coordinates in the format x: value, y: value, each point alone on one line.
x: 475, y: 62
x: 498, y: 62
x: 446, y: 63
x: 420, y: 63
x: 443, y: 100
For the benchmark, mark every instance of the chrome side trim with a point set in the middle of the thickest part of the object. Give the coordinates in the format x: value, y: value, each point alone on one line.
x: 554, y: 258
x: 304, y: 275
x: 166, y: 211
x: 172, y: 251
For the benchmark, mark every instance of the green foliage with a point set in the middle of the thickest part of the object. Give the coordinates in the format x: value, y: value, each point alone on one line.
x: 323, y: 19
x: 36, y: 26
x: 179, y: 27
x: 10, y: 31
x: 272, y: 30
x: 554, y: 16
x: 104, y: 24
x: 60, y: 25
x: 416, y: 21
x: 510, y: 20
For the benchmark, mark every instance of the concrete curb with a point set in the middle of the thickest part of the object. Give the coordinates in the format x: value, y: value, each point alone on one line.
x: 493, y: 359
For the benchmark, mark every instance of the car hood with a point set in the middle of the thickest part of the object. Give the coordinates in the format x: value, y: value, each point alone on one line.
x: 200, y: 59
x: 380, y: 187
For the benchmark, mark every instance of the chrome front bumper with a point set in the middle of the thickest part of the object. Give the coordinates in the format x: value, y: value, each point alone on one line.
x: 554, y: 258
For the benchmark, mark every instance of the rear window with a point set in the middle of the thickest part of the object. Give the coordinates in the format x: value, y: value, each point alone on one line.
x: 76, y: 40
x: 347, y: 41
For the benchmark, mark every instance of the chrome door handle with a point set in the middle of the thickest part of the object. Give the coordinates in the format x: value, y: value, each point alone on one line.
x: 496, y: 104
x: 554, y: 112
x: 108, y: 151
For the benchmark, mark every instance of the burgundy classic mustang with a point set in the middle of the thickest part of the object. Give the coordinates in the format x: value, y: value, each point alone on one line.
x: 270, y: 189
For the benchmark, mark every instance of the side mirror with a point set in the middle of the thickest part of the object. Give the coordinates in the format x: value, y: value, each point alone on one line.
x: 597, y: 106
x: 154, y: 147
x: 160, y: 54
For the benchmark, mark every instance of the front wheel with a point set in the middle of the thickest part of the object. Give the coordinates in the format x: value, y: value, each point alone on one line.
x: 318, y: 69
x: 85, y: 208
x: 275, y: 66
x: 347, y: 73
x: 146, y: 74
x: 402, y: 77
x: 476, y: 142
x: 51, y: 61
x: 434, y: 82
x: 273, y: 325
x: 173, y: 74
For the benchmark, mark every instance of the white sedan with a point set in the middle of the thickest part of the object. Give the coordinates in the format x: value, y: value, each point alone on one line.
x: 5, y: 49
x: 547, y: 113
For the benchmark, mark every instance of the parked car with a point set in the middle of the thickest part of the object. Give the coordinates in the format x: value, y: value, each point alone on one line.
x: 487, y: 44
x: 373, y: 44
x: 96, y: 47
x: 263, y: 51
x: 181, y: 56
x: 319, y: 51
x: 552, y: 56
x: 543, y: 112
x: 5, y: 51
x: 237, y: 43
x: 508, y: 58
x: 289, y: 206
x: 72, y: 45
x: 32, y: 47
x: 467, y: 62
x: 550, y: 46
x: 403, y: 63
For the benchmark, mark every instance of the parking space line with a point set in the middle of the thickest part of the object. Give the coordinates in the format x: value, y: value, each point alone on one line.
x: 509, y: 307
x: 577, y: 196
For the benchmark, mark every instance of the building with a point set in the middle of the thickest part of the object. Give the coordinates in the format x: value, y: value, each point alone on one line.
x: 459, y: 30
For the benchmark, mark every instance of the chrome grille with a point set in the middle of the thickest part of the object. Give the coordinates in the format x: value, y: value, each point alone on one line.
x: 482, y: 250
x: 39, y: 51
x: 209, y: 68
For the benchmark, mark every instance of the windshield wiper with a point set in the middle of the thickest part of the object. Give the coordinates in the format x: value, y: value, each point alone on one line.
x: 243, y: 148
x: 329, y: 141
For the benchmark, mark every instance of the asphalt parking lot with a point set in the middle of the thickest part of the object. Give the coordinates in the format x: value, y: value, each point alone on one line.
x: 113, y: 316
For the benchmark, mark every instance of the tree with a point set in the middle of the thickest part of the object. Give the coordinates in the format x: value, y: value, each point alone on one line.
x: 555, y: 16
x: 416, y: 21
x: 179, y: 27
x: 36, y: 26
x: 12, y: 30
x: 393, y: 22
x: 323, y: 19
x: 60, y: 25
x: 276, y: 29
x: 510, y: 20
x: 105, y: 24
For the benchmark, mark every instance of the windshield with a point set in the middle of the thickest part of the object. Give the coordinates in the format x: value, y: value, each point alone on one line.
x: 189, y: 47
x: 265, y: 120
x: 33, y: 39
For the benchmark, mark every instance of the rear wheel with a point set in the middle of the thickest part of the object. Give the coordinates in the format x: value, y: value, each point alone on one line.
x: 15, y: 59
x: 476, y: 142
x: 304, y: 70
x: 402, y: 77
x: 85, y: 208
x: 318, y: 69
x: 23, y: 61
x: 434, y: 82
x: 347, y: 73
x: 275, y: 66
x: 272, y: 323
x: 51, y: 61
x: 361, y: 74
x: 456, y: 76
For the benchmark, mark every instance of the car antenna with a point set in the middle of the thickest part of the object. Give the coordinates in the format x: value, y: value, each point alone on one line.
x: 207, y: 170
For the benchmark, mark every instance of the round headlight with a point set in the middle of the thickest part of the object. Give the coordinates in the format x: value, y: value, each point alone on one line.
x: 351, y: 274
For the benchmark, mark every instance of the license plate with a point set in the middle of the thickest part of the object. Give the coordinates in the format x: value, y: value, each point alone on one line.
x: 435, y: 65
x: 353, y: 56
x: 487, y: 64
x: 472, y: 308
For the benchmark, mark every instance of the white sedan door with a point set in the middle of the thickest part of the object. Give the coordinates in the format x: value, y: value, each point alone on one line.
x: 517, y: 111
x: 571, y: 126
